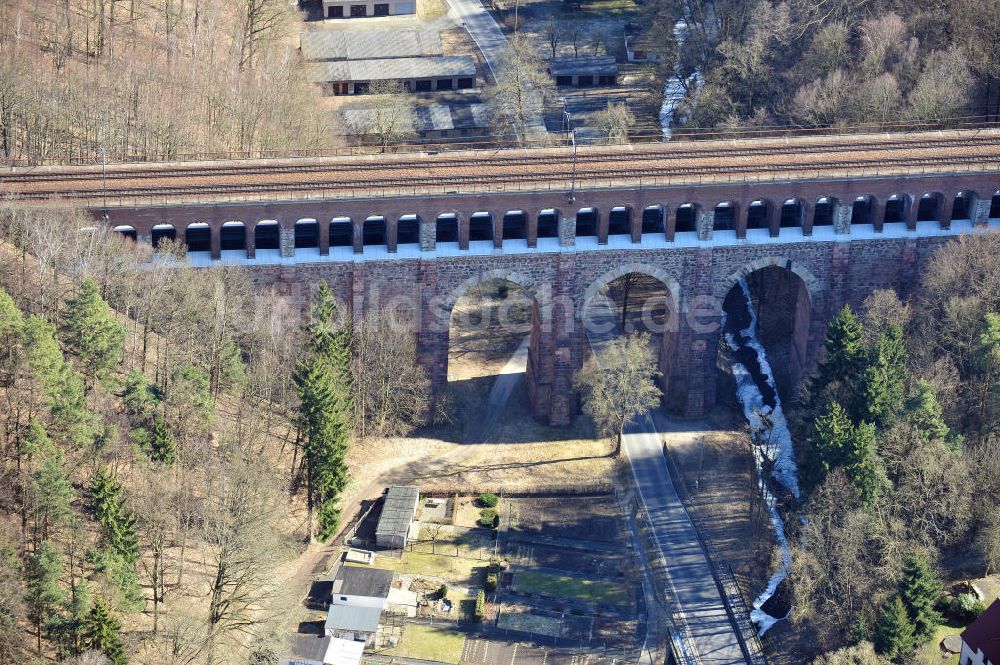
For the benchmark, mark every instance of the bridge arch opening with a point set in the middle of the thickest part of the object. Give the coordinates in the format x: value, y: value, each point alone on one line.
x: 548, y: 223
x: 306, y: 234
x: 995, y: 206
x: 341, y: 232
x: 233, y: 236
x: 620, y: 221
x: 782, y: 304
x: 515, y: 225
x: 446, y: 228
x: 408, y: 230
x: 481, y: 227
x: 862, y: 210
x: 635, y: 298
x: 930, y: 207
x: 792, y: 214
x: 373, y: 232
x: 586, y: 223
x: 267, y: 235
x: 823, y: 212
x: 162, y: 232
x: 725, y: 216
x: 198, y: 237
x: 962, y: 205
x: 654, y: 220
x: 493, y: 337
x: 757, y: 214
x: 686, y: 219
x: 126, y: 231
x: 896, y: 208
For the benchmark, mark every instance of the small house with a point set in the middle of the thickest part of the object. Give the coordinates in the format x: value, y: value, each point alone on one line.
x: 584, y: 72
x: 981, y: 640
x: 336, y: 45
x: 421, y: 74
x: 398, y: 511
x: 361, y: 587
x: 362, y: 9
x: 358, y: 624
x: 307, y: 650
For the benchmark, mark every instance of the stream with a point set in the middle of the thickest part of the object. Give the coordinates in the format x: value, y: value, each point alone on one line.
x: 757, y: 392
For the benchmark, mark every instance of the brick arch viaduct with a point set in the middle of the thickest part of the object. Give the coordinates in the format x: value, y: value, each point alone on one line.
x: 842, y: 253
x: 843, y: 235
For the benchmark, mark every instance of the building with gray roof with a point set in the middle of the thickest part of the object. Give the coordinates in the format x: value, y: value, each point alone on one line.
x: 398, y: 511
x: 352, y: 623
x: 346, y: 9
x: 327, y: 45
x: 361, y: 587
x: 585, y: 71
x: 354, y: 77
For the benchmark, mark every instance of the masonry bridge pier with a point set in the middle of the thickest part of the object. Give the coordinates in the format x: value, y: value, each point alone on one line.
x: 814, y: 223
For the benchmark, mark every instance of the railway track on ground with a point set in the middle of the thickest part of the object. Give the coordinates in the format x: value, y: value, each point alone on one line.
x: 523, y: 168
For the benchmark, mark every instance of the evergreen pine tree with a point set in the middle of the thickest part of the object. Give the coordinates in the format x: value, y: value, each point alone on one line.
x: 924, y: 412
x: 326, y: 411
x: 41, y: 352
x: 138, y: 395
x: 920, y: 591
x: 51, y: 494
x: 93, y: 332
x: 101, y: 632
x: 863, y: 465
x: 11, y: 324
x: 844, y: 352
x: 831, y: 435
x: 880, y: 394
x: 43, y: 595
x: 161, y: 441
x: 894, y: 633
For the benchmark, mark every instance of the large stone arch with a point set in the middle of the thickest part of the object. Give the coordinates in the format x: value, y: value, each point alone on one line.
x: 667, y: 361
x: 598, y: 285
x: 814, y: 286
x: 542, y: 296
x: 788, y: 314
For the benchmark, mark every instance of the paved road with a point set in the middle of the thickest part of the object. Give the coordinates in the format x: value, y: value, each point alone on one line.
x: 711, y: 631
x: 491, y: 41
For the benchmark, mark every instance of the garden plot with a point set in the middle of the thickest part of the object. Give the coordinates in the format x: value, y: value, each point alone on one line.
x: 548, y: 623
x: 594, y: 517
x: 613, y: 594
x: 526, y: 553
x: 456, y: 541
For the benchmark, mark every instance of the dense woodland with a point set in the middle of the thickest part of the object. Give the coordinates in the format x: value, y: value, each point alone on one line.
x: 170, y: 441
x: 153, y: 80
x: 832, y: 62
x: 897, y: 440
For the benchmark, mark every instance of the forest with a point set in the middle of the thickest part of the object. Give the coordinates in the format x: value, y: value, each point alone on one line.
x: 171, y: 442
x: 897, y: 440
x: 750, y: 64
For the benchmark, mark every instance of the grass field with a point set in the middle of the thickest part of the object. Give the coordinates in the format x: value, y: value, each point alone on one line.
x: 429, y: 643
x: 456, y: 570
x: 931, y: 654
x: 561, y: 586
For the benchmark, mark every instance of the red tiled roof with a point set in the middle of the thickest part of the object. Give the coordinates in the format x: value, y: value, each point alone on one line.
x: 984, y: 633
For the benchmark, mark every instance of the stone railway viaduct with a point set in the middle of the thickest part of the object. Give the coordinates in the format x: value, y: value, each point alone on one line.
x: 835, y: 240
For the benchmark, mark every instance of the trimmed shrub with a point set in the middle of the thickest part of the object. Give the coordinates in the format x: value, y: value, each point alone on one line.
x: 488, y: 518
x: 480, y: 611
x: 488, y: 500
x: 443, y: 591
x: 968, y: 607
x: 491, y: 582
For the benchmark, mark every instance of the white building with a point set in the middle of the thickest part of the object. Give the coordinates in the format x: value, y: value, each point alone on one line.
x: 361, y: 587
x: 981, y: 640
x: 365, y: 8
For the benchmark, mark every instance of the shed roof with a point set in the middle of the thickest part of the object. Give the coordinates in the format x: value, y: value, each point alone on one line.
x: 369, y: 44
x: 391, y: 69
x: 586, y: 66
x: 348, y: 617
x: 398, y: 509
x: 344, y: 652
x: 984, y: 633
x: 308, y: 648
x: 369, y: 582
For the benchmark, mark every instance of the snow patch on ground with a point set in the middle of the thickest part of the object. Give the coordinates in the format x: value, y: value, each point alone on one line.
x: 773, y: 440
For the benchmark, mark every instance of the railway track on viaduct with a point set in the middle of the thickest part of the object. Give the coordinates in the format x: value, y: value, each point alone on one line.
x: 551, y: 168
